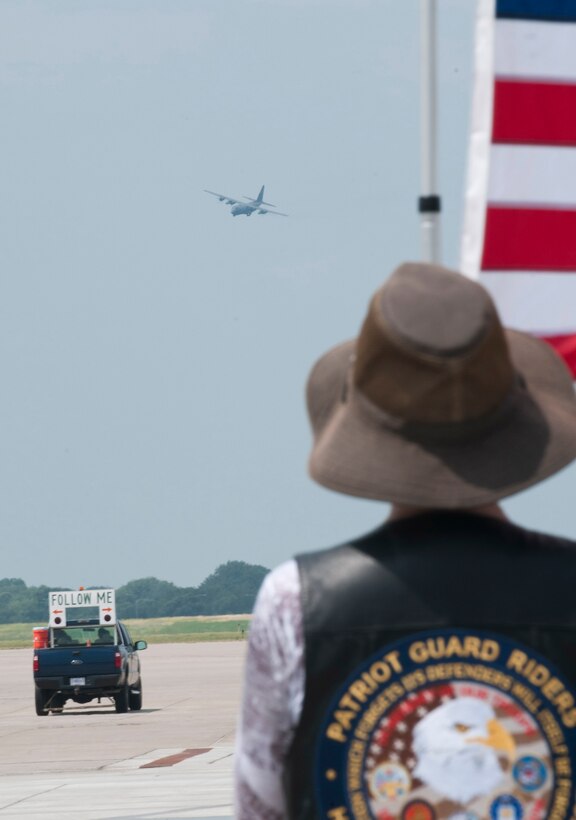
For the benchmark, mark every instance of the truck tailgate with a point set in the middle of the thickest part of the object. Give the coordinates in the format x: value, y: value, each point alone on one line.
x: 76, y: 661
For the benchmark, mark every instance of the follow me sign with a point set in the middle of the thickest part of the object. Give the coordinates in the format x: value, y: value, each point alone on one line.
x: 104, y: 599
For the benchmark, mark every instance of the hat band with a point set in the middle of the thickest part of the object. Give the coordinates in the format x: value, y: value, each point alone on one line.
x: 446, y: 432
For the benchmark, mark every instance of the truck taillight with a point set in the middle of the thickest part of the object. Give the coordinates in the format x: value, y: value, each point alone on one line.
x: 35, y: 663
x: 117, y: 660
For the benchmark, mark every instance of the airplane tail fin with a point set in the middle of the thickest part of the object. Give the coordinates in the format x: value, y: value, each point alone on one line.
x: 259, y: 199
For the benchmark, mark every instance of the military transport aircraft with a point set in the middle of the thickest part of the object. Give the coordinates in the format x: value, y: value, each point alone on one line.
x: 247, y: 208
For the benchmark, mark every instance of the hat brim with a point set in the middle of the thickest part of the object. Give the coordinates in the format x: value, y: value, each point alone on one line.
x: 359, y: 453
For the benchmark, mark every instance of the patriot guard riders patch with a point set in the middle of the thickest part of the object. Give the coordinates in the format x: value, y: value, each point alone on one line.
x: 454, y: 724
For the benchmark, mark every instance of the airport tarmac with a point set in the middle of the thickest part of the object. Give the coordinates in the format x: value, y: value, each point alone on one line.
x: 173, y: 759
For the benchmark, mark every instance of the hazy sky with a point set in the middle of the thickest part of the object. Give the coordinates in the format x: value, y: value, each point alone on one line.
x: 154, y: 349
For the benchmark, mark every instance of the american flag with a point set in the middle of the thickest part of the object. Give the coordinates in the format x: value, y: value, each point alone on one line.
x: 519, y: 234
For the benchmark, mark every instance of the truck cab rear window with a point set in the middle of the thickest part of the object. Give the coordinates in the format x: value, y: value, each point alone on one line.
x: 83, y: 636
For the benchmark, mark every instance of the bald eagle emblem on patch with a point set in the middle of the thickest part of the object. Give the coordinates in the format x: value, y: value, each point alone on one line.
x: 450, y: 724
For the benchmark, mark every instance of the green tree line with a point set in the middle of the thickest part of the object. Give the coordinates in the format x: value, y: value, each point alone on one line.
x: 230, y: 590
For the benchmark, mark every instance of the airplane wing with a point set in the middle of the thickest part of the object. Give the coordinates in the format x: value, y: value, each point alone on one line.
x: 266, y: 211
x: 229, y: 200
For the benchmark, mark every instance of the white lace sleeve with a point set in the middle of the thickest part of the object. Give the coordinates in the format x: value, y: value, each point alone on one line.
x: 273, y: 695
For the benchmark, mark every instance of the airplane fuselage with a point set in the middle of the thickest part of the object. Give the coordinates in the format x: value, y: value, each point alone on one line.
x: 247, y: 208
x: 240, y: 208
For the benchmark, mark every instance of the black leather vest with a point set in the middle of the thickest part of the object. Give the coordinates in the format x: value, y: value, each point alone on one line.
x: 434, y: 571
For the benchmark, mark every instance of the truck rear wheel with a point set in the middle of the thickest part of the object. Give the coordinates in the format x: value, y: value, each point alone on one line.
x: 135, y: 697
x: 121, y: 699
x: 40, y: 699
x: 57, y: 704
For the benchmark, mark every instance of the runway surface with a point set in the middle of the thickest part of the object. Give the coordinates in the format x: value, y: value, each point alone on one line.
x: 173, y: 759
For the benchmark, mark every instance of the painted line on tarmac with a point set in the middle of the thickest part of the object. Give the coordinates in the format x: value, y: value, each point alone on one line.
x: 171, y: 760
x: 167, y: 758
x: 141, y: 760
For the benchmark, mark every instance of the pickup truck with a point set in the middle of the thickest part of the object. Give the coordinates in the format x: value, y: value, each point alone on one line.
x: 86, y: 660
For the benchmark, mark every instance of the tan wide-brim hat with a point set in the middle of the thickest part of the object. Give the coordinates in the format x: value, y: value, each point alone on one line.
x: 435, y: 404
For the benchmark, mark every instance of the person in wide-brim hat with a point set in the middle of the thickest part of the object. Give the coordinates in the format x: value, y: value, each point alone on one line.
x: 435, y: 404
x: 367, y: 693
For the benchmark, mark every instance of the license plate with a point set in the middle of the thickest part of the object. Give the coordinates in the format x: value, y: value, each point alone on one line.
x: 77, y: 681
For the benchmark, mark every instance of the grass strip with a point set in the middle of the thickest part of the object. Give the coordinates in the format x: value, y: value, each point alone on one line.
x: 153, y: 630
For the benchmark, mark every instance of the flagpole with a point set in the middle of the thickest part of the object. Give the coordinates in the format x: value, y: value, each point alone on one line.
x: 429, y: 201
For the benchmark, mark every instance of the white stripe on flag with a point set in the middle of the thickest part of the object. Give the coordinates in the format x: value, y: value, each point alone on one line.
x: 540, y: 303
x: 532, y: 175
x: 524, y: 48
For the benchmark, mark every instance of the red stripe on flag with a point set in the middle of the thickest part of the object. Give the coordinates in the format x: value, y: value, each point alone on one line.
x: 534, y: 112
x: 566, y: 347
x: 529, y: 239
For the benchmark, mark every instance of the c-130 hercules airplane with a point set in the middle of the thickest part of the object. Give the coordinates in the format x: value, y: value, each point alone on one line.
x: 247, y: 208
